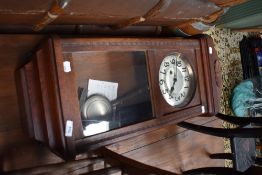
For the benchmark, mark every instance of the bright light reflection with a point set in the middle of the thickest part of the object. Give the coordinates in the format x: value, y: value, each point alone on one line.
x: 96, y: 128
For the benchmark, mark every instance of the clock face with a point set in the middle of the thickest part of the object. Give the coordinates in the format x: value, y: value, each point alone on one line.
x: 176, y: 80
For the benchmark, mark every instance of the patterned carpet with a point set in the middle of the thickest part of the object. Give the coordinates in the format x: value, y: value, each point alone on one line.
x: 227, y: 46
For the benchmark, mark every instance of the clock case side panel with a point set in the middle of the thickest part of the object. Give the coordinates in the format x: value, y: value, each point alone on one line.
x: 212, y: 75
x: 68, y: 94
x: 23, y: 101
x: 36, y: 101
x: 44, y: 100
x: 51, y: 95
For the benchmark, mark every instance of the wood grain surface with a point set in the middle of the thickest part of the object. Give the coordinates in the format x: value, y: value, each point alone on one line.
x: 17, y: 150
x: 103, y: 12
x: 175, y: 149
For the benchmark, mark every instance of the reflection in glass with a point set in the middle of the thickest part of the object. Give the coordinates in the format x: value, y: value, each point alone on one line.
x: 128, y: 70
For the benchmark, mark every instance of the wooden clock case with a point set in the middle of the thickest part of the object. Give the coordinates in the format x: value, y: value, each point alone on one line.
x: 48, y: 95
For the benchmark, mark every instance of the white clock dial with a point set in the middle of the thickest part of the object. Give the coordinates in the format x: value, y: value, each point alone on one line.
x: 176, y: 80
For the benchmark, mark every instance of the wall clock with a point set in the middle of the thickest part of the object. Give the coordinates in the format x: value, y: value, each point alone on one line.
x: 176, y: 80
x: 142, y: 83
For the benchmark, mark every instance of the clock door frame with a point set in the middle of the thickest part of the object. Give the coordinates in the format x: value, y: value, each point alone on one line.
x: 149, y: 45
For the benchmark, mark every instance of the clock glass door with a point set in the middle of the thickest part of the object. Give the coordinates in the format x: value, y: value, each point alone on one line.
x: 113, y: 89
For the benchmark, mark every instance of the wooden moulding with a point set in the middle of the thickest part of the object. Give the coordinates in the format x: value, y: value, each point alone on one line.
x: 35, y: 101
x: 216, y: 78
x: 160, y: 6
x: 212, y: 75
x: 207, y: 75
x: 68, y: 97
x: 43, y: 103
x: 227, y: 3
x: 50, y: 97
x: 23, y: 101
x: 55, y: 11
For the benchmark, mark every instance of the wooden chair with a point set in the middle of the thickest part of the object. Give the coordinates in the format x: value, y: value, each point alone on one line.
x: 223, y: 171
x: 242, y: 140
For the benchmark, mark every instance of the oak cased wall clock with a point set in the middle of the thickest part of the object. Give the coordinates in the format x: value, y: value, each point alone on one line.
x: 79, y: 94
x: 176, y: 80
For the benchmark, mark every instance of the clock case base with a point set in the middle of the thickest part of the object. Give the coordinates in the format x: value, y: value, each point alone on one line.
x: 48, y: 96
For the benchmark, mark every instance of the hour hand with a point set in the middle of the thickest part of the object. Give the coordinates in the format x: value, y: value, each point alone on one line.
x: 171, y: 90
x: 172, y: 87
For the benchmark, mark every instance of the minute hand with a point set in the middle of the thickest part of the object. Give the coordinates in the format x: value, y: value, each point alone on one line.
x: 174, y: 80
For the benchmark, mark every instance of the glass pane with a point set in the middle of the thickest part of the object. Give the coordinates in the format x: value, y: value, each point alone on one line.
x: 112, y: 89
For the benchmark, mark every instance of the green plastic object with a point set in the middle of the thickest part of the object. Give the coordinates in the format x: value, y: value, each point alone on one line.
x: 242, y: 93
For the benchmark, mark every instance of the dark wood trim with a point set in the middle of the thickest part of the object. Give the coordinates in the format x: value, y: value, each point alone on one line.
x: 109, y: 170
x: 128, y: 44
x: 207, y: 75
x: 220, y: 132
x: 240, y: 120
x: 23, y: 100
x: 103, y: 139
x: 214, y: 171
x: 66, y: 89
x: 221, y: 156
x: 58, y: 168
x: 215, y: 75
x: 50, y: 97
x: 36, y: 101
x: 160, y: 6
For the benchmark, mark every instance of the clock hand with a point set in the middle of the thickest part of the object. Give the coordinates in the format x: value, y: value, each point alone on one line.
x: 176, y: 70
x: 172, y: 87
x: 174, y: 80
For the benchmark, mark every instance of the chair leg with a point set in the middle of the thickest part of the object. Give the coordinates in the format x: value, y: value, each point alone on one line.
x: 258, y: 161
x: 213, y: 170
x: 221, y: 156
x: 240, y: 120
x: 220, y: 132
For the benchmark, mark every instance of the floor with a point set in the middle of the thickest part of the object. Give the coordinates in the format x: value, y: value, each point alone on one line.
x: 180, y: 151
